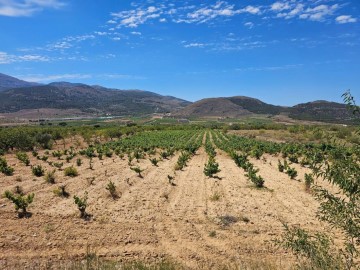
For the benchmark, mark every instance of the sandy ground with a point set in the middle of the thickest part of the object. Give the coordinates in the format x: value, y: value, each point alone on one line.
x: 152, y: 220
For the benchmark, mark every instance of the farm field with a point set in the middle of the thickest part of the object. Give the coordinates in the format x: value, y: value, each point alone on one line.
x: 199, y: 198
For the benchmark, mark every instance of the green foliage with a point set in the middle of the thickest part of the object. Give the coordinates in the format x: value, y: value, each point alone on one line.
x: 5, y: 168
x: 71, y: 171
x: 314, y: 251
x: 212, y: 167
x: 38, y: 170
x: 112, y: 189
x: 154, y: 161
x: 58, y: 165
x: 50, y: 177
x: 309, y: 180
x: 182, y: 160
x: 45, y: 140
x: 78, y: 162
x: 23, y: 157
x: 61, y: 191
x: 138, y: 170
x: 292, y: 172
x: 21, y: 201
x: 256, y: 179
x: 82, y: 204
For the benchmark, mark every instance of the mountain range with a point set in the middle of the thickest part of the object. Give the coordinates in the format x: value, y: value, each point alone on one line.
x: 17, y: 95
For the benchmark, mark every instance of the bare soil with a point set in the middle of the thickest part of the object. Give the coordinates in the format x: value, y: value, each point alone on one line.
x: 199, y: 222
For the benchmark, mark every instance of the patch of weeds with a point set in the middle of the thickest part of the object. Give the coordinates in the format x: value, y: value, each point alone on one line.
x: 212, y: 234
x: 50, y: 177
x: 71, y: 171
x: 48, y: 228
x: 215, y: 197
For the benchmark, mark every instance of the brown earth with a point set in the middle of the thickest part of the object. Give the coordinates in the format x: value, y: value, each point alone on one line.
x: 153, y: 220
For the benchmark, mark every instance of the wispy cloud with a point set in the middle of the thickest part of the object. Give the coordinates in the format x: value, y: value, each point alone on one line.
x: 307, y: 10
x: 345, y: 19
x: 6, y: 58
x: 270, y: 68
x: 21, y: 8
x: 136, y: 17
x: 42, y: 78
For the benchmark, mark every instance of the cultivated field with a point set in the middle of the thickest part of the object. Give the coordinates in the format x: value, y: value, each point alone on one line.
x: 150, y: 200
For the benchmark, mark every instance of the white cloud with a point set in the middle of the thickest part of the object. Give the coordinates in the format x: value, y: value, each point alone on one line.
x: 136, y: 17
x: 52, y: 78
x: 195, y: 45
x: 249, y: 25
x: 307, y: 10
x: 6, y: 58
x: 279, y: 6
x: 42, y: 78
x: 345, y: 19
x: 251, y: 9
x: 20, y: 8
x: 270, y: 68
x: 136, y: 33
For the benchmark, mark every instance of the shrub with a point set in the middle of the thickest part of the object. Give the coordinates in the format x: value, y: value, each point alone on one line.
x: 211, y: 167
x: 256, y: 179
x: 154, y: 161
x: 138, y: 170
x: 112, y: 189
x: 81, y: 204
x: 38, y: 170
x: 21, y: 202
x: 309, y: 180
x: 50, y: 177
x: 292, y: 173
x: 5, y: 168
x: 78, y: 162
x: 61, y: 192
x: 58, y: 165
x: 71, y: 171
x: 23, y: 157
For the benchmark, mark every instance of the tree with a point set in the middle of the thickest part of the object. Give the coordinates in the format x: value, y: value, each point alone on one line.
x: 340, y: 209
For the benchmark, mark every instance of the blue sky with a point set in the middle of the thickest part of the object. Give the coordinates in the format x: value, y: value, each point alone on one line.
x: 282, y: 52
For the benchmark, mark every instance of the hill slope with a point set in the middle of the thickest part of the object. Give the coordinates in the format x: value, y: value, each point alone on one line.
x: 213, y: 107
x: 94, y: 100
x: 8, y: 82
x: 239, y: 106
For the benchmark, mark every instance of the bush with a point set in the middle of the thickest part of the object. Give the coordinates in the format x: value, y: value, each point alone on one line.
x: 81, y: 204
x: 5, y: 168
x: 71, y: 171
x: 50, y: 177
x: 21, y: 202
x: 112, y: 189
x: 292, y: 172
x: 309, y: 180
x: 78, y: 162
x: 138, y: 170
x: 211, y: 167
x: 154, y: 161
x: 61, y: 192
x: 38, y: 170
x: 23, y: 157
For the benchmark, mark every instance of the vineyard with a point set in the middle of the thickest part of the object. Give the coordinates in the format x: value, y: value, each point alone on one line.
x: 199, y: 197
